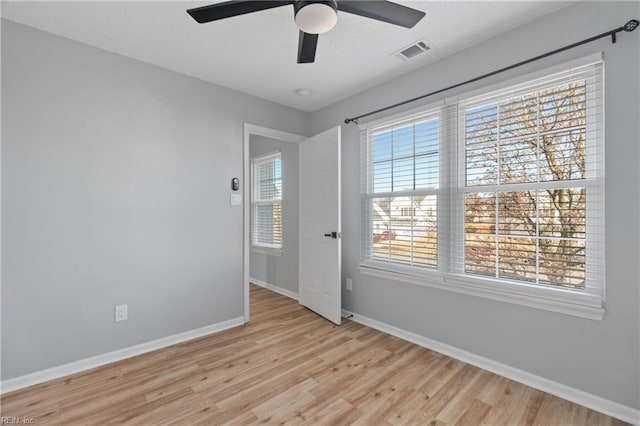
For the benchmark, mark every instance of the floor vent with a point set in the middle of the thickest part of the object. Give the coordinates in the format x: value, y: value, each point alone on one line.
x: 412, y: 50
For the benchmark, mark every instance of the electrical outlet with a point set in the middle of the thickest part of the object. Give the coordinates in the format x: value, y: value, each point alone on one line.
x: 122, y: 312
x: 349, y: 284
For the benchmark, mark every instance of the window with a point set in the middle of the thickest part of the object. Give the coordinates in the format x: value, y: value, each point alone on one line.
x: 525, y: 187
x: 408, y: 211
x: 266, y: 201
x: 501, y: 192
x: 401, y: 194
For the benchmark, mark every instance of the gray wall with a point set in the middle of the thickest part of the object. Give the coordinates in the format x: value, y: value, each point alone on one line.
x: 601, y: 358
x: 115, y: 189
x: 281, y: 271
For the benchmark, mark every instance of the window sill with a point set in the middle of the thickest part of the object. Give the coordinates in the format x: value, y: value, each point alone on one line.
x: 267, y: 250
x: 549, y: 299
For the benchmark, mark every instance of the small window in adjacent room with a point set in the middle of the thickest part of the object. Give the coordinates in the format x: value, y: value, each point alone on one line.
x: 266, y: 202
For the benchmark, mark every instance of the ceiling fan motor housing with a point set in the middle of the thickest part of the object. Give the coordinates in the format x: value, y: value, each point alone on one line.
x: 315, y: 16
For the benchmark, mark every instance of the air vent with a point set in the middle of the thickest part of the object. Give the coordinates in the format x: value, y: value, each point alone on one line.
x: 412, y: 50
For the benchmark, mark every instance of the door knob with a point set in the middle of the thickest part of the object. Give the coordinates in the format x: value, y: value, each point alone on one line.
x: 333, y: 234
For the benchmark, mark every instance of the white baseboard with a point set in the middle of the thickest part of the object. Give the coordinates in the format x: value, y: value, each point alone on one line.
x: 588, y: 400
x: 274, y: 288
x: 117, y: 355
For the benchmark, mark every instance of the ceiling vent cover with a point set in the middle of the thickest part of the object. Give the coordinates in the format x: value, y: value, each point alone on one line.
x: 412, y: 50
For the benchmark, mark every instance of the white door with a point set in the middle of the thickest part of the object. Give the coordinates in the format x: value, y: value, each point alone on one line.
x: 320, y: 246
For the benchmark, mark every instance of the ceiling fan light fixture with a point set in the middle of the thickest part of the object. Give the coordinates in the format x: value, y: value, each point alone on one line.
x: 316, y: 17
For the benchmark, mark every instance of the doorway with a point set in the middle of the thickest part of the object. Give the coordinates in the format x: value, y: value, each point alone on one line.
x: 273, y: 263
x: 296, y: 203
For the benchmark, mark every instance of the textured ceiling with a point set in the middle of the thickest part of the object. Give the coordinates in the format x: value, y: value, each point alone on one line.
x: 256, y: 53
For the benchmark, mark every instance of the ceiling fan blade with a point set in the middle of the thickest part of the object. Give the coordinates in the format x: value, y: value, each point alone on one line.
x: 307, y: 44
x: 217, y: 11
x: 384, y: 11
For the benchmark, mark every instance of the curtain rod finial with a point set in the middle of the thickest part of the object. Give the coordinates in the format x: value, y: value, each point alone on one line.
x: 631, y: 25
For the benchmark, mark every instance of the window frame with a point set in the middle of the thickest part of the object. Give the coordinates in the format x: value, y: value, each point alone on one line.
x: 587, y: 302
x: 368, y: 195
x: 265, y: 248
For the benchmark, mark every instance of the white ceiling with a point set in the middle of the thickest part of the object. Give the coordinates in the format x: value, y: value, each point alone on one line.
x: 256, y: 53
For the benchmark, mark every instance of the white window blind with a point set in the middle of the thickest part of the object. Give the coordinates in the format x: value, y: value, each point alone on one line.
x: 400, y: 191
x: 266, y: 201
x: 503, y: 191
x: 532, y: 180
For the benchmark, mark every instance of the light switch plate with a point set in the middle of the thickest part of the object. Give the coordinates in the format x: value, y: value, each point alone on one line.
x: 121, y: 313
x: 236, y: 199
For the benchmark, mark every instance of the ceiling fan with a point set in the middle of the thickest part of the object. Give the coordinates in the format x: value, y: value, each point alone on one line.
x: 313, y: 17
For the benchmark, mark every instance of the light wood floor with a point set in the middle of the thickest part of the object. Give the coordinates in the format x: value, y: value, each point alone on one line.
x: 290, y: 366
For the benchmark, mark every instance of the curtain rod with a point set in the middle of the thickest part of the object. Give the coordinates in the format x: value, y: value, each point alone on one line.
x: 628, y: 27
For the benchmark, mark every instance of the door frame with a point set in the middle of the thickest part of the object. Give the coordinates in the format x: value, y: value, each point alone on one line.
x: 254, y: 129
